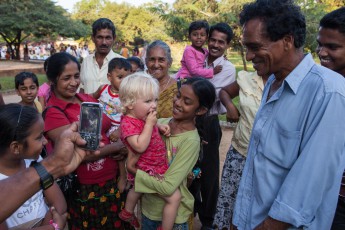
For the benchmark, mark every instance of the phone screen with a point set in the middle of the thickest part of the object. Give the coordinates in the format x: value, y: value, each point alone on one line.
x: 90, y: 120
x: 90, y: 124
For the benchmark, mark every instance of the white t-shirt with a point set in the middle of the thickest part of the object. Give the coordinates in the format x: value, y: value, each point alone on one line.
x: 33, y: 208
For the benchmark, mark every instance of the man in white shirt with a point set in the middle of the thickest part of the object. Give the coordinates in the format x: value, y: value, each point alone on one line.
x: 84, y: 52
x: 205, y: 189
x: 94, y: 68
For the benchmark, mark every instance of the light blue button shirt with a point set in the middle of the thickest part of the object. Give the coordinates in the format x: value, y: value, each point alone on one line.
x: 296, y: 152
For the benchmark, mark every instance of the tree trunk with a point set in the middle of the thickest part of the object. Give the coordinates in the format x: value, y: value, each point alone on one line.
x: 17, y: 44
x: 243, y: 58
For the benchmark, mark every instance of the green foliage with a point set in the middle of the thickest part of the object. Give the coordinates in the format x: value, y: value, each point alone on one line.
x: 313, y: 12
x: 131, y: 22
x: 39, y: 18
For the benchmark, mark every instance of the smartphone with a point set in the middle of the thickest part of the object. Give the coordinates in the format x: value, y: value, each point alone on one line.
x: 90, y: 124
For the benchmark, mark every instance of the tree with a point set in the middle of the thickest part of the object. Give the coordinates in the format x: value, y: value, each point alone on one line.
x: 131, y: 22
x: 23, y: 18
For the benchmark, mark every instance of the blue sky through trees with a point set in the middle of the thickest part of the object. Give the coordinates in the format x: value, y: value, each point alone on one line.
x: 68, y: 4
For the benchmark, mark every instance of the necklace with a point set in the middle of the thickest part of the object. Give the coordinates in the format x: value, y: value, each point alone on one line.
x: 166, y: 85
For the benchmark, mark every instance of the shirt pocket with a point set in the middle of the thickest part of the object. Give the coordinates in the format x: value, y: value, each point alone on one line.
x: 281, y: 145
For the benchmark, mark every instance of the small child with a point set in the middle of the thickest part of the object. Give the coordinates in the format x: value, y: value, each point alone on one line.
x: 44, y: 94
x: 108, y: 96
x: 193, y: 59
x: 136, y: 63
x: 26, y: 84
x: 44, y: 90
x: 140, y: 133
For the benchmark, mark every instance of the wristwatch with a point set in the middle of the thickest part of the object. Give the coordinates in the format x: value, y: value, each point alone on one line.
x: 46, y: 179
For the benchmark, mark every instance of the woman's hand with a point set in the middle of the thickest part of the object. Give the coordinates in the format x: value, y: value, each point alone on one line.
x: 120, y: 155
x: 164, y: 129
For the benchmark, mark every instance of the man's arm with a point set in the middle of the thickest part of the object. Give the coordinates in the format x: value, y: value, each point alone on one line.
x: 314, y: 179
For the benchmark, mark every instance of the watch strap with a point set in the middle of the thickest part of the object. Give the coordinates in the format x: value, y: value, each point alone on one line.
x: 46, y: 179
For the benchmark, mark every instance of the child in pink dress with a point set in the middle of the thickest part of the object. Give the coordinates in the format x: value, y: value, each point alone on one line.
x: 140, y: 133
x: 193, y: 59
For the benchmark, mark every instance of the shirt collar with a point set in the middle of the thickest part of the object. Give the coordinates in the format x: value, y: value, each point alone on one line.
x: 61, y: 103
x: 216, y: 62
x: 295, y: 78
x: 107, y: 58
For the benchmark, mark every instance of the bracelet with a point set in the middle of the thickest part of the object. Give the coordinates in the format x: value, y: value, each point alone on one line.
x: 55, y: 225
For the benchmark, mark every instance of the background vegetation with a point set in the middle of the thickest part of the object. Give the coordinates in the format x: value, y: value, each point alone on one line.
x: 23, y: 20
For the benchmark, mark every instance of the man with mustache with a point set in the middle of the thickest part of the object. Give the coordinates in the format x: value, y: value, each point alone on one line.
x: 94, y: 68
x: 331, y: 52
x: 205, y: 189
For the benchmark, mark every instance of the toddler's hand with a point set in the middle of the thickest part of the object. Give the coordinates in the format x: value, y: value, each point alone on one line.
x: 114, y: 136
x: 60, y: 220
x: 152, y: 118
x: 217, y: 69
x: 159, y: 177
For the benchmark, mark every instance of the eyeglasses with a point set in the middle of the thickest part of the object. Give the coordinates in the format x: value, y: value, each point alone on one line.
x: 15, y: 130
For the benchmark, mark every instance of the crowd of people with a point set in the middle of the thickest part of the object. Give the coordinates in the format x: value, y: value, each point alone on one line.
x: 160, y: 134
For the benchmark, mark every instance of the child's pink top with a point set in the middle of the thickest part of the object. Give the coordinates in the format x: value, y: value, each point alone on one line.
x: 44, y: 91
x: 192, y: 64
x: 153, y: 160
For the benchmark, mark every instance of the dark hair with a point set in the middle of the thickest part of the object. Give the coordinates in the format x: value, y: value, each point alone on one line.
x: 281, y: 17
x: 103, y: 23
x: 334, y: 20
x: 223, y: 28
x: 160, y: 44
x: 20, y: 78
x: 137, y: 61
x: 56, y: 65
x: 45, y: 64
x: 206, y: 94
x: 15, y: 122
x: 119, y: 63
x: 197, y: 25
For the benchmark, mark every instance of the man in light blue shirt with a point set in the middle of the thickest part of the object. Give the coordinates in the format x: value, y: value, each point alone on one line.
x: 296, y: 154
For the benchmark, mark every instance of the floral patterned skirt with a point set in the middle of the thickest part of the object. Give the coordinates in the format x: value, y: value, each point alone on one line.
x: 96, y: 206
x: 231, y: 176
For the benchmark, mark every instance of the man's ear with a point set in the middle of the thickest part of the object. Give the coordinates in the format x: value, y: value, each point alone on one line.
x: 288, y: 41
x: 108, y: 76
x: 201, y: 111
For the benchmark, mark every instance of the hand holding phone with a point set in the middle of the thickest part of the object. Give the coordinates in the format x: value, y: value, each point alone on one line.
x: 91, y: 124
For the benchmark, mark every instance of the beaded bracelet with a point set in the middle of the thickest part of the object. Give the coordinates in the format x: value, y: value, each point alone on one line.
x: 55, y: 225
